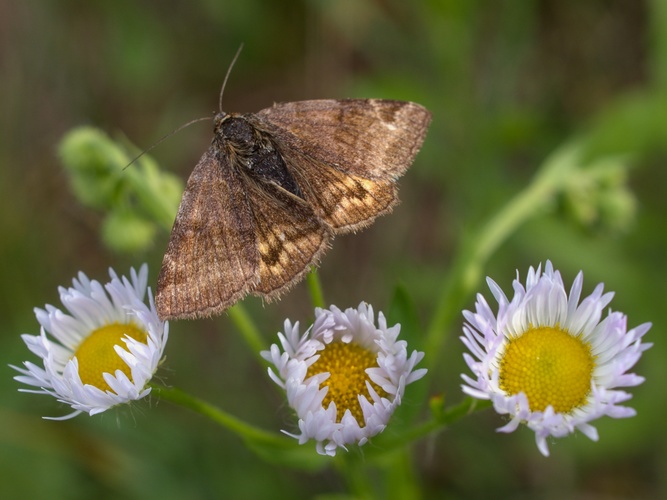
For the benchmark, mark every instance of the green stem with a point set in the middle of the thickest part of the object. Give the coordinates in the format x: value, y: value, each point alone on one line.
x: 247, y: 327
x: 146, y: 183
x: 471, y: 261
x: 400, y: 477
x: 438, y: 422
x: 356, y: 476
x: 315, y: 288
x: 238, y: 427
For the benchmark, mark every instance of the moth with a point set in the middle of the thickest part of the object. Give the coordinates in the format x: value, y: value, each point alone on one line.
x: 263, y: 203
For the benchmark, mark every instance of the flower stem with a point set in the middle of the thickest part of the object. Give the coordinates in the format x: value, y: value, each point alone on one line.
x: 467, y: 270
x: 438, y: 422
x: 354, y: 472
x: 238, y: 427
x: 247, y: 327
x: 315, y: 288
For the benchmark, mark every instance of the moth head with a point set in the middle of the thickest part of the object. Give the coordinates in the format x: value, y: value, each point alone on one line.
x: 235, y: 131
x: 218, y: 118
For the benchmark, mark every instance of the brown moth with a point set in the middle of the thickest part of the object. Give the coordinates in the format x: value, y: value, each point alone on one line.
x: 274, y: 187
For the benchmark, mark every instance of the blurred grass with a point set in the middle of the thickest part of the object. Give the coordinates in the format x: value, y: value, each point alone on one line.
x: 507, y: 84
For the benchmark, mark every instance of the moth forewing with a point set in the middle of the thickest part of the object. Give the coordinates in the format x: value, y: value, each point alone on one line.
x: 263, y: 203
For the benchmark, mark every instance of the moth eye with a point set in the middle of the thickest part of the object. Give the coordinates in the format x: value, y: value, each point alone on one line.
x: 238, y: 131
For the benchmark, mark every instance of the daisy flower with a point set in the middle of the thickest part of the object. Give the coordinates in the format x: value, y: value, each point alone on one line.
x: 549, y: 361
x: 103, y: 351
x: 344, y: 377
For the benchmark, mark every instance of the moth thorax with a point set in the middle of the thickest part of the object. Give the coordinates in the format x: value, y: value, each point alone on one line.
x: 238, y: 132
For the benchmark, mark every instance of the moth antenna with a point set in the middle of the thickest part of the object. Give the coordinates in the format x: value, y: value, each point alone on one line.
x: 222, y: 90
x: 229, y: 70
x: 165, y: 137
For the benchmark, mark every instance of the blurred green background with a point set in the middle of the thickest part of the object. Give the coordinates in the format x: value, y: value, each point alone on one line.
x: 507, y: 82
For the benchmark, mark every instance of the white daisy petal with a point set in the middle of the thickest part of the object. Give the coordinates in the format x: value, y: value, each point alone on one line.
x: 565, y: 345
x: 332, y: 418
x: 94, y: 309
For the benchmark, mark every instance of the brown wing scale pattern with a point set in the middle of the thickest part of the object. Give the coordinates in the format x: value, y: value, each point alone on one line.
x: 264, y: 201
x: 366, y: 137
x: 209, y: 263
x: 290, y: 238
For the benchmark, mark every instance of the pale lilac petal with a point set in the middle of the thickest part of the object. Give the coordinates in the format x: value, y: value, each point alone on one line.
x: 90, y: 306
x: 292, y: 358
x: 544, y: 302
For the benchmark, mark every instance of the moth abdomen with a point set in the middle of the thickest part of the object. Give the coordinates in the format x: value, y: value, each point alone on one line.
x: 269, y: 165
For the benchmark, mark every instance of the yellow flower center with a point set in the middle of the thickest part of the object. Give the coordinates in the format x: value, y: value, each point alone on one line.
x: 550, y: 366
x: 96, y: 354
x: 346, y: 364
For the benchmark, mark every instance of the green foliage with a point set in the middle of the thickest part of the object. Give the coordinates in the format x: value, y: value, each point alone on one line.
x: 548, y: 141
x: 137, y: 197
